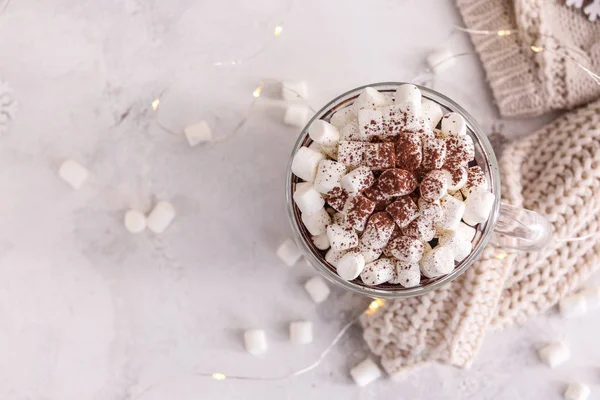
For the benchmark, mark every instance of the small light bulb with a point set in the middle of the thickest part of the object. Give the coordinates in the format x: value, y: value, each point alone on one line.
x: 257, y: 91
x: 504, y: 32
x: 536, y: 49
x: 218, y: 376
x: 375, y: 304
x: 278, y: 30
x: 501, y: 256
x: 155, y: 104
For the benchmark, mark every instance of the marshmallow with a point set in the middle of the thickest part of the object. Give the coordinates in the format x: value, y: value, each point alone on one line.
x: 306, y: 162
x: 321, y: 241
x: 460, y: 150
x: 340, y: 219
x: 378, y: 272
x: 430, y: 210
x: 434, y: 185
x: 592, y: 297
x: 387, y: 251
x: 365, y: 372
x: 396, y: 182
x: 342, y: 117
x: 452, y: 212
x: 368, y: 98
x: 478, y: 206
x: 330, y: 150
x: 431, y: 113
x: 554, y: 354
x: 370, y: 122
x: 198, y: 133
x: 461, y: 247
x: 341, y: 238
x: 437, y: 262
x: 409, y: 94
x: 301, y: 332
x: 577, y: 391
x: 337, y: 198
x: 352, y: 154
x: 440, y: 60
x: 317, y: 223
x: 308, y: 200
x: 135, y: 221
x: 333, y: 257
x: 406, y: 274
x: 380, y: 155
x: 572, y: 306
x: 421, y: 228
x: 255, y: 341
x: 323, y: 132
x: 358, y: 180
x: 409, y: 151
x: 289, y: 253
x: 161, y: 217
x: 456, y: 177
x: 466, y: 232
x: 454, y: 124
x: 378, y: 231
x: 406, y: 248
x: 400, y: 117
x: 375, y: 194
x: 73, y: 173
x: 352, y: 132
x: 370, y: 254
x: 329, y: 175
x: 296, y: 115
x: 357, y: 211
x: 403, y: 211
x: 293, y: 90
x: 434, y: 154
x: 317, y: 289
x: 350, y: 266
x: 475, y: 179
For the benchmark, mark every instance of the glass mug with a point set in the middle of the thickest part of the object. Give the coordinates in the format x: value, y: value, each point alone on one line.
x: 515, y: 228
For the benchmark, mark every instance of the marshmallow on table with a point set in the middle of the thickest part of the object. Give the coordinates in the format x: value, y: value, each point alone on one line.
x: 440, y: 60
x: 321, y: 241
x: 437, y: 262
x: 358, y: 180
x: 317, y: 289
x: 198, y: 133
x: 461, y: 247
x: 255, y: 341
x: 370, y: 122
x: 378, y: 272
x: 329, y: 175
x: 350, y: 265
x: 73, y: 173
x: 301, y: 332
x: 406, y: 274
x: 410, y: 94
x: 368, y: 98
x: 554, y: 354
x: 592, y: 297
x: 306, y: 162
x: 323, y: 132
x: 453, y: 211
x: 135, y: 221
x: 308, y: 200
x: 289, y: 253
x: 431, y: 113
x: 333, y: 257
x: 573, y: 305
x: 294, y: 90
x: 317, y: 223
x: 454, y: 124
x: 478, y: 206
x: 341, y: 238
x: 161, y: 217
x: 296, y: 115
x: 577, y: 391
x: 365, y: 372
x: 342, y: 117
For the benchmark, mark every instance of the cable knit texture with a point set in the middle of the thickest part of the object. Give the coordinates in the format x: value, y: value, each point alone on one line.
x: 555, y: 172
x: 528, y: 83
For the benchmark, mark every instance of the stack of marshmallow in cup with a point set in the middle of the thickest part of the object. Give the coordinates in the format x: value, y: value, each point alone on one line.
x: 381, y: 182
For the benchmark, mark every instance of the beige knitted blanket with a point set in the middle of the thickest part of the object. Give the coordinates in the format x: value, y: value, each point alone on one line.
x: 555, y: 172
x: 524, y: 83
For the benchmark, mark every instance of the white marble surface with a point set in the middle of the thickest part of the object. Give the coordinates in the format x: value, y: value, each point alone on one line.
x: 89, y: 311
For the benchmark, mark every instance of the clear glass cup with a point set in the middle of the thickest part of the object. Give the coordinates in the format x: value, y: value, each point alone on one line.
x: 507, y: 226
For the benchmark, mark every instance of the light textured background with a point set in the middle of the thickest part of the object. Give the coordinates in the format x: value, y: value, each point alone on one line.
x: 89, y: 311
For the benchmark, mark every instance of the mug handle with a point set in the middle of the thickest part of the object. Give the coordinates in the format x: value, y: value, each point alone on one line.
x: 521, y: 229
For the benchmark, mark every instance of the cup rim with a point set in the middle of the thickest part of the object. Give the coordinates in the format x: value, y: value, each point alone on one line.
x: 487, y: 230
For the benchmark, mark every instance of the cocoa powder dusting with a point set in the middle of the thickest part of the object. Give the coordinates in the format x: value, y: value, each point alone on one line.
x: 396, y: 182
x: 409, y: 151
x: 337, y: 198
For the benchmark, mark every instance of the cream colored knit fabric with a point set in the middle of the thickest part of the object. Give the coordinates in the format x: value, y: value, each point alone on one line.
x: 555, y: 172
x: 528, y: 83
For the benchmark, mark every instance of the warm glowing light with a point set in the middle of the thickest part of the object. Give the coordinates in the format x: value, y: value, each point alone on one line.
x: 501, y: 256
x: 375, y: 304
x: 257, y: 91
x: 155, y: 104
x: 504, y: 33
x: 536, y: 49
x: 278, y: 30
x: 218, y: 376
